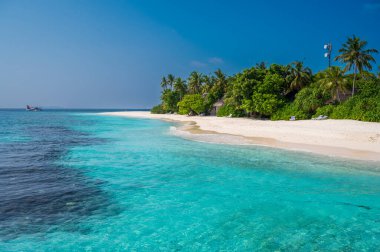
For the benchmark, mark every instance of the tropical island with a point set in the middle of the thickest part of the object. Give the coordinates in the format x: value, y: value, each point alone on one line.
x: 281, y: 92
x: 271, y: 106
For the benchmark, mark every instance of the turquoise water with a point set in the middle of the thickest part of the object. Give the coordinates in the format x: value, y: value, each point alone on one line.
x: 138, y: 188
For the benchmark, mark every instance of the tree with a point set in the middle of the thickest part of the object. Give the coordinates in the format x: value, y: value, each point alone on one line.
x: 261, y: 65
x: 195, y: 82
x: 242, y: 85
x: 355, y: 55
x: 208, y: 83
x: 267, y: 96
x: 180, y: 87
x: 281, y: 70
x: 220, y: 83
x: 334, y: 80
x: 169, y: 100
x: 191, y: 103
x: 164, y: 83
x: 170, y: 80
x: 298, y: 77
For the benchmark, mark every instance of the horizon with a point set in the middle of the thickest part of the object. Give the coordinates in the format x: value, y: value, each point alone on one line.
x: 72, y: 108
x: 91, y: 54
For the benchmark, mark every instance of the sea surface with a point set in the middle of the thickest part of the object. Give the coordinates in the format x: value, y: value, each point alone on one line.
x: 80, y: 181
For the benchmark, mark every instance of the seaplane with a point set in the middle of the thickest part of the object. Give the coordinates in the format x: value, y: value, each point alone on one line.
x: 30, y: 108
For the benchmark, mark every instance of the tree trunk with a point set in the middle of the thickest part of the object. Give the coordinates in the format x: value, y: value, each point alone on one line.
x: 353, y: 83
x: 337, y: 94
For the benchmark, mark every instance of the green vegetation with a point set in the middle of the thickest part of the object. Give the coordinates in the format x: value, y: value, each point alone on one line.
x: 278, y: 92
x: 191, y: 104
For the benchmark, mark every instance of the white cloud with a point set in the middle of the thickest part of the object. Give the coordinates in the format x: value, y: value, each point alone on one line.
x: 198, y: 64
x: 216, y: 61
x: 210, y: 62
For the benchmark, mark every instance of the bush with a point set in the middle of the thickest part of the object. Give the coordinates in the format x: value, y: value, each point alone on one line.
x: 357, y: 108
x: 309, y: 99
x: 289, y: 110
x: 158, y: 110
x: 366, y: 110
x: 343, y: 111
x: 368, y: 88
x: 169, y: 100
x: 227, y: 110
x: 325, y: 110
x: 192, y: 103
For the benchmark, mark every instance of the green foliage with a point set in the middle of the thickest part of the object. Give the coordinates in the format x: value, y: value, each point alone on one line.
x: 298, y: 77
x: 266, y: 104
x: 169, y: 100
x: 193, y: 103
x: 309, y: 99
x: 227, y: 110
x: 289, y: 110
x: 267, y: 96
x: 195, y: 82
x: 325, y: 110
x: 334, y: 81
x: 358, y: 108
x: 369, y: 88
x: 243, y: 85
x: 281, y: 91
x: 356, y: 56
x: 158, y: 110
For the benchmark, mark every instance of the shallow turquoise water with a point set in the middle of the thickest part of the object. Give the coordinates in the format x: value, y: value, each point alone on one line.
x: 157, y: 192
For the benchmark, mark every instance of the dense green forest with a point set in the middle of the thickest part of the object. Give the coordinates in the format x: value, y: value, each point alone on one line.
x: 278, y: 92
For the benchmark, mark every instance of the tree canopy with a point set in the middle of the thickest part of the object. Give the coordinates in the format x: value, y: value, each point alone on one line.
x: 279, y: 91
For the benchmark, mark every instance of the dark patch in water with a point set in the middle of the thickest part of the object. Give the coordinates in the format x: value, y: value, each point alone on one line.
x: 360, y: 206
x: 36, y: 194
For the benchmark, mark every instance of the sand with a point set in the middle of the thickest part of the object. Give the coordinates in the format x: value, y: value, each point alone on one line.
x: 341, y: 138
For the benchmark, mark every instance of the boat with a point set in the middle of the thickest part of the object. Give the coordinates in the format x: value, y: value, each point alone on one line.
x: 31, y: 108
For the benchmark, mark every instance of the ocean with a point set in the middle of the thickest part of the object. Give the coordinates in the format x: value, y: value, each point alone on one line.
x: 73, y: 180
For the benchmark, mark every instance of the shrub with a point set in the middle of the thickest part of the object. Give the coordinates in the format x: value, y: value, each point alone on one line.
x: 158, y: 110
x: 227, y: 110
x: 343, y: 111
x: 191, y: 103
x: 368, y: 88
x: 366, y: 110
x: 289, y: 110
x: 309, y: 99
x: 325, y: 110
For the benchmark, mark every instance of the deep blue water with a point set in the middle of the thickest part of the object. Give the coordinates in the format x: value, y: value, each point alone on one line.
x: 79, y: 181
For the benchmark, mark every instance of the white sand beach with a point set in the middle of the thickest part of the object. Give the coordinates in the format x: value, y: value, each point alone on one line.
x: 341, y: 138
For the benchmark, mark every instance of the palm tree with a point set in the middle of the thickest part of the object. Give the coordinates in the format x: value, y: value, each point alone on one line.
x: 195, y: 82
x: 171, y: 80
x: 333, y: 79
x: 299, y: 76
x: 220, y: 84
x: 378, y: 73
x: 164, y: 83
x: 180, y: 87
x: 261, y: 65
x: 208, y: 83
x: 356, y: 56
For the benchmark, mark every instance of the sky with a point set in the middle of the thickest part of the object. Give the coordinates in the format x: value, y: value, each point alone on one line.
x: 112, y: 54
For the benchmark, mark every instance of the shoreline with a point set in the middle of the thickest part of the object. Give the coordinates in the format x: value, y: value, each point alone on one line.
x: 337, y: 138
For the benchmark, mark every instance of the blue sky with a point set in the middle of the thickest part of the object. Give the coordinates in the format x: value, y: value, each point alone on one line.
x: 112, y: 54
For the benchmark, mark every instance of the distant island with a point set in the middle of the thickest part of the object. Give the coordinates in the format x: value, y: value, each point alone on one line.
x: 281, y: 92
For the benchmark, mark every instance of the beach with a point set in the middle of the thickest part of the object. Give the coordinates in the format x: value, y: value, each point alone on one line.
x: 339, y: 138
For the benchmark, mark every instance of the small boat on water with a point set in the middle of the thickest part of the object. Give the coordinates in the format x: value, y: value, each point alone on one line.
x: 30, y: 108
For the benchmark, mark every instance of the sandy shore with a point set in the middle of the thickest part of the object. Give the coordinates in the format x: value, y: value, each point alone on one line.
x: 342, y: 138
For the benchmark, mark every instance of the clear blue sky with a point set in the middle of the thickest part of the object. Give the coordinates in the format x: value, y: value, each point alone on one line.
x: 112, y: 54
